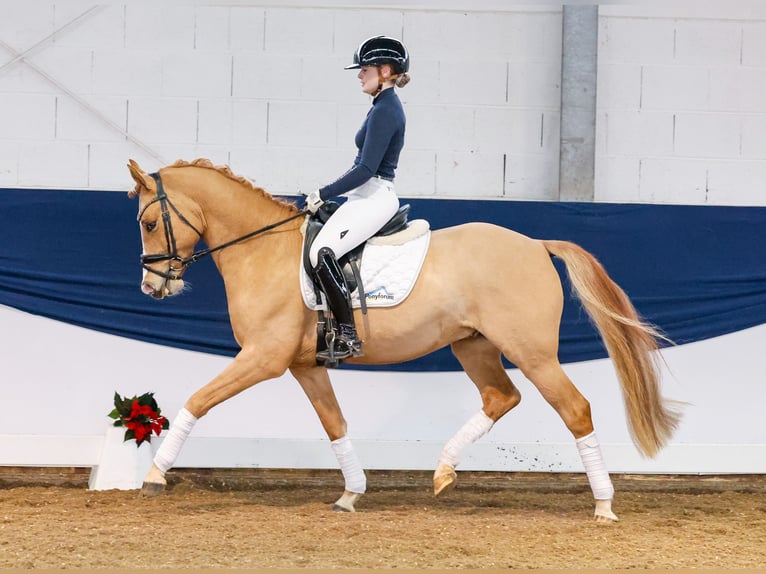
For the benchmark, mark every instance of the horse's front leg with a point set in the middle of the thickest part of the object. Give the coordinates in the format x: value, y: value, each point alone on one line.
x: 316, y: 384
x: 245, y: 370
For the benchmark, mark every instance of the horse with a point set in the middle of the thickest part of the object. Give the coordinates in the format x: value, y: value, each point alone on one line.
x: 504, y: 301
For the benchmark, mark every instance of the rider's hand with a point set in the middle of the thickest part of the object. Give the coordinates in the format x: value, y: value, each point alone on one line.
x: 314, y: 201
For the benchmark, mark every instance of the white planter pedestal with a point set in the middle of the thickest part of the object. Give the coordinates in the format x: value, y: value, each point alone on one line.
x: 122, y: 465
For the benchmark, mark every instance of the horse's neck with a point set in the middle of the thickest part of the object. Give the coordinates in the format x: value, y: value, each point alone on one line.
x: 232, y: 209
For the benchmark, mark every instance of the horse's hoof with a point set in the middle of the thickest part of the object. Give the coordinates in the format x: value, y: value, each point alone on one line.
x: 603, y: 513
x: 152, y: 489
x: 346, y: 502
x: 444, y: 479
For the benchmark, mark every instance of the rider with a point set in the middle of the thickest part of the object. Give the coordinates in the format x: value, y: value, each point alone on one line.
x: 383, y: 63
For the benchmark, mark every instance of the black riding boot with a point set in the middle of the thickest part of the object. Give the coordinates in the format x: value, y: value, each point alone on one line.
x: 333, y: 283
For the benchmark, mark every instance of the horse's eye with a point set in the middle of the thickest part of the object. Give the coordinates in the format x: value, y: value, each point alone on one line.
x: 150, y: 226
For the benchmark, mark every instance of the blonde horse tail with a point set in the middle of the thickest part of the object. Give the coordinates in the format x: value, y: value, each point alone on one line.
x: 632, y: 345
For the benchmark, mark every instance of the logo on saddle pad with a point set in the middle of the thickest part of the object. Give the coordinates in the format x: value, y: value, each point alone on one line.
x: 388, y: 272
x: 380, y: 294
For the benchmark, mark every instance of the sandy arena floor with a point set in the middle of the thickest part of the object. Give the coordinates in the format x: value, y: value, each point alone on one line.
x: 282, y: 519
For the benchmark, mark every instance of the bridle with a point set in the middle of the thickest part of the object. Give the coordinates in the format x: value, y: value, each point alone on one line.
x: 172, y: 255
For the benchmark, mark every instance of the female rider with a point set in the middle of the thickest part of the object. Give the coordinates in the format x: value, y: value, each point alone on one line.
x: 369, y: 185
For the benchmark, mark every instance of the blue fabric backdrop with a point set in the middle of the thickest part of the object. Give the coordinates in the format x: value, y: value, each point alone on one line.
x: 695, y: 271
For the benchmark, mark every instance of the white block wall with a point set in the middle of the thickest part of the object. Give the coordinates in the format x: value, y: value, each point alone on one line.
x: 682, y: 103
x: 261, y: 86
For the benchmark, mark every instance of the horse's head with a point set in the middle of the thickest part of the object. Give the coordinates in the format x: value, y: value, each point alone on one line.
x: 168, y: 233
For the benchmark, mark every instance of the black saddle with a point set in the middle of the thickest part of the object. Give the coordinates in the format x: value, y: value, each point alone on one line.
x: 315, y: 223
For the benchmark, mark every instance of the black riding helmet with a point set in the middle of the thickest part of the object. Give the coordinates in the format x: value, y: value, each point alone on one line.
x: 380, y: 50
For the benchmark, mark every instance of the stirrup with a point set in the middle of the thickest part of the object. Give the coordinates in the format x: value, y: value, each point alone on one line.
x: 340, y: 347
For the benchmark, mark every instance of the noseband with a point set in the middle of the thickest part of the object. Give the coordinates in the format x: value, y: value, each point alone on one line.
x: 172, y: 255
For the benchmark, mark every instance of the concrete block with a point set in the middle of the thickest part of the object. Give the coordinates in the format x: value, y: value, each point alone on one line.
x: 26, y: 24
x: 469, y: 174
x: 324, y: 79
x: 211, y: 28
x: 170, y: 153
x: 618, y: 86
x: 425, y: 85
x: 707, y: 135
x: 133, y: 72
x: 534, y: 84
x: 27, y: 117
x: 249, y: 122
x: 738, y: 88
x: 497, y: 36
x: 616, y: 179
x: 737, y: 183
x: 440, y: 127
x: 246, y: 28
x: 352, y: 27
x: 107, y: 167
x: 636, y: 41
x: 299, y: 31
x: 77, y: 123
x: 708, y: 42
x: 305, y: 124
x: 288, y: 171
x: 532, y: 177
x: 416, y: 174
x: 754, y: 43
x: 232, y: 122
x: 70, y: 66
x: 476, y: 83
x: 9, y: 164
x: 55, y: 165
x: 674, y: 88
x: 163, y: 120
x: 509, y: 130
x: 754, y: 136
x: 672, y: 180
x: 268, y: 76
x: 638, y: 133
x: 197, y: 74
x: 102, y: 28
x: 163, y: 26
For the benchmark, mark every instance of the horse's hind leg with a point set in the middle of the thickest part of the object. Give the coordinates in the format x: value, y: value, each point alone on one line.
x: 482, y: 362
x: 574, y: 409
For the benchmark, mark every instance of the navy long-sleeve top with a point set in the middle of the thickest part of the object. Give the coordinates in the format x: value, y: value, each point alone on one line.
x: 379, y: 141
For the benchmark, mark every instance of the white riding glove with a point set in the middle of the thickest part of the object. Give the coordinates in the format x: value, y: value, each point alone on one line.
x: 314, y: 201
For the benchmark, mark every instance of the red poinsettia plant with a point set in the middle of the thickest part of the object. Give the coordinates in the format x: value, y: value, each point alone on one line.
x: 139, y: 415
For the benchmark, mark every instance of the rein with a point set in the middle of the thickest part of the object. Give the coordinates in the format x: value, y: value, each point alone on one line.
x: 172, y: 252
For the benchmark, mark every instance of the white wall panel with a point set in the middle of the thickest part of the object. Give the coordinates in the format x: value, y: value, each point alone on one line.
x: 27, y: 117
x: 135, y: 72
x: 273, y: 424
x: 54, y: 165
x: 196, y: 74
x: 218, y: 74
x: 76, y: 123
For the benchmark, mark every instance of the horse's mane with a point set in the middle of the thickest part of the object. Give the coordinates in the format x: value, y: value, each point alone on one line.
x: 225, y: 170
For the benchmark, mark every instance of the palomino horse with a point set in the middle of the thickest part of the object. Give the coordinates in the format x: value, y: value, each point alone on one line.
x: 506, y: 300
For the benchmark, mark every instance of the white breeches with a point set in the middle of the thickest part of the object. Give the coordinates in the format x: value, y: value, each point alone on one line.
x: 366, y: 210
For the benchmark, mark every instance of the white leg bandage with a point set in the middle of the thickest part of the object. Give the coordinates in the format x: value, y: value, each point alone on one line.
x: 350, y: 466
x: 476, y: 427
x: 171, y: 446
x: 598, y: 477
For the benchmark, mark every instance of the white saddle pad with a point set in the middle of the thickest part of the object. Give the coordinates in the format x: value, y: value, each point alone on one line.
x: 389, y: 269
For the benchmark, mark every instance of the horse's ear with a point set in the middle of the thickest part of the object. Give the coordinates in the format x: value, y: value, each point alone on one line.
x: 139, y: 176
